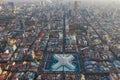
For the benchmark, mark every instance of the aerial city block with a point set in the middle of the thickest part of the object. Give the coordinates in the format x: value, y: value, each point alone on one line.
x: 59, y: 40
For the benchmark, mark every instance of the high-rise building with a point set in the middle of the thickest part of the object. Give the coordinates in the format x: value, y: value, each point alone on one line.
x: 11, y: 6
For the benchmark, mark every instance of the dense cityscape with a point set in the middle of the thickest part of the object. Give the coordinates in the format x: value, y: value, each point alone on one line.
x: 59, y: 40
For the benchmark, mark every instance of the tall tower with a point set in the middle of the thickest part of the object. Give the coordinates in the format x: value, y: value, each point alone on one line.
x: 75, y: 7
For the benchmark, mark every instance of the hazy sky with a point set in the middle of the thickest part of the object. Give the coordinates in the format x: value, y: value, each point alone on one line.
x: 65, y: 0
x: 105, y: 1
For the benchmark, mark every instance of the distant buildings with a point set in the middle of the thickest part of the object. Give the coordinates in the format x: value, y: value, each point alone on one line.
x: 45, y: 2
x: 6, y: 5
